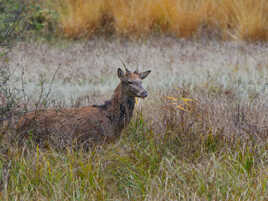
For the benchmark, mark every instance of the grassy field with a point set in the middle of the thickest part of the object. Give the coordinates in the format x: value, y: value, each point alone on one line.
x: 200, y: 135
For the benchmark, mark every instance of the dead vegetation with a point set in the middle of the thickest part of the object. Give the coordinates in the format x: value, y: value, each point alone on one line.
x: 227, y: 19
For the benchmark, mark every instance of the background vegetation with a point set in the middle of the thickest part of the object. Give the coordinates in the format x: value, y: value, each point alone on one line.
x: 225, y: 19
x: 233, y: 19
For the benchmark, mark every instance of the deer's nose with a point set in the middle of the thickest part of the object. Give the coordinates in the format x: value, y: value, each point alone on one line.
x: 144, y: 94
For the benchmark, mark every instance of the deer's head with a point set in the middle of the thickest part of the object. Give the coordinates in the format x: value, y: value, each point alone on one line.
x: 132, y: 82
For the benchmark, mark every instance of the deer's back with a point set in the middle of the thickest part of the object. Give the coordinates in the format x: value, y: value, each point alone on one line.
x: 86, y: 123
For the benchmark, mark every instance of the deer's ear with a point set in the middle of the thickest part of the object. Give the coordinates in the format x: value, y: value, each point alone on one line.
x: 120, y: 73
x: 144, y: 74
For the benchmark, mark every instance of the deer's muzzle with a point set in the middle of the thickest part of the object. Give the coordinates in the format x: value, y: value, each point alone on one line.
x: 143, y: 94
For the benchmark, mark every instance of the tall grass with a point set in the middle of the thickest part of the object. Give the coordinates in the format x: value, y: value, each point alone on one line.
x: 236, y: 19
x: 80, y: 18
x: 247, y: 20
x: 200, y: 150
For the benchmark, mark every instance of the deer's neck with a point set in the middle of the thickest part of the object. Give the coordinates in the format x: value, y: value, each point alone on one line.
x: 121, y: 109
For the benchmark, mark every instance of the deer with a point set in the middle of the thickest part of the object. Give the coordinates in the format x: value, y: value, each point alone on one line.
x: 87, y: 125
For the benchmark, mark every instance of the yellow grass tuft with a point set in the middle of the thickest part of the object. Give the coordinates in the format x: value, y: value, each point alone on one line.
x: 238, y: 19
x: 131, y: 17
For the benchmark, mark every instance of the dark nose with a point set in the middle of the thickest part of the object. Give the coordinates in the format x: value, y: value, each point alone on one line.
x: 144, y: 94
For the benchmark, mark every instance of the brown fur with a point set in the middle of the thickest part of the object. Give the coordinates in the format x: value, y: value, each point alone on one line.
x: 96, y: 123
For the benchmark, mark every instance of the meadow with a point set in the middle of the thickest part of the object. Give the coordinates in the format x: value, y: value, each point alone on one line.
x: 201, y: 134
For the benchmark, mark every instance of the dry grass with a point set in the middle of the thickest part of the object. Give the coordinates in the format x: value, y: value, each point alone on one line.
x: 80, y: 18
x: 236, y: 19
x: 247, y: 20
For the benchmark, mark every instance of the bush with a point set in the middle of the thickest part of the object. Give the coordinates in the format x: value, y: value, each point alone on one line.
x: 11, y: 16
x: 9, y: 100
x: 20, y: 17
